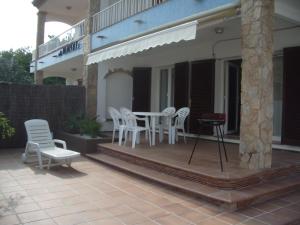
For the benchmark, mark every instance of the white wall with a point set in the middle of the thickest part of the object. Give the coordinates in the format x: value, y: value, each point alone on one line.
x: 119, y: 90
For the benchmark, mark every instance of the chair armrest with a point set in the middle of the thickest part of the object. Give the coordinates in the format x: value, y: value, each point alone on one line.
x: 63, y: 143
x: 32, y: 146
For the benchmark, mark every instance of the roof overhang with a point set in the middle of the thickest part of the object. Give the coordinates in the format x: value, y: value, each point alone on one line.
x: 66, y: 11
x: 288, y: 9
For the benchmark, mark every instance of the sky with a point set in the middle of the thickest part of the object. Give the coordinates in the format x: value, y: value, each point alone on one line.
x: 18, y: 22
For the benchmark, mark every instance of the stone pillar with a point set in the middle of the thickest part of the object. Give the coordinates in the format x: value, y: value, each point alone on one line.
x: 39, y: 75
x: 90, y: 73
x: 257, y: 84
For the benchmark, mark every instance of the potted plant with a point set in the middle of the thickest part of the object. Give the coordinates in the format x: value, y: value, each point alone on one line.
x: 89, y: 127
x: 6, y: 130
x: 82, y: 134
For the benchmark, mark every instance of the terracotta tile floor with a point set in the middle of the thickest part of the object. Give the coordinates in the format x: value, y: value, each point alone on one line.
x: 92, y: 194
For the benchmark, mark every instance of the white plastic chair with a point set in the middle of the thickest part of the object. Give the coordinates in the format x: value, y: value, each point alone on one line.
x: 180, y: 117
x: 131, y: 126
x: 118, y: 126
x: 41, y: 144
x: 165, y: 121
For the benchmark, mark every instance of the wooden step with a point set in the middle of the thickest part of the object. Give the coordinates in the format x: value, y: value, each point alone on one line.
x: 222, y: 180
x: 232, y: 199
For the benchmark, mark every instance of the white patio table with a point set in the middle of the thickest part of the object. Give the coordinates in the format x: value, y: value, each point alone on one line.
x: 153, y: 116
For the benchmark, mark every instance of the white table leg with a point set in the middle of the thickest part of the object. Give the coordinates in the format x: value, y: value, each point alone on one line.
x: 153, y: 129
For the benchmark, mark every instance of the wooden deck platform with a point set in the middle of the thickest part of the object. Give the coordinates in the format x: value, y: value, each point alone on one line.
x: 235, y: 187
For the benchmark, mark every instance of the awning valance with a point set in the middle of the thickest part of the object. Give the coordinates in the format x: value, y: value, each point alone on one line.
x: 183, y: 32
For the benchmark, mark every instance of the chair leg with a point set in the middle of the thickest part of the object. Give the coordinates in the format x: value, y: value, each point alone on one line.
x: 40, y: 159
x: 113, y: 137
x: 184, y: 138
x: 130, y: 137
x: 126, y: 133
x: 170, y: 135
x: 173, y: 133
x: 161, y: 134
x: 138, y: 137
x: 69, y: 161
x: 25, y: 154
x: 49, y: 163
x: 120, y: 135
x: 134, y: 134
x: 148, y: 131
x: 176, y: 134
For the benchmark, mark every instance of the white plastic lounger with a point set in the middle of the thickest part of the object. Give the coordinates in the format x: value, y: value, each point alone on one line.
x: 41, y: 144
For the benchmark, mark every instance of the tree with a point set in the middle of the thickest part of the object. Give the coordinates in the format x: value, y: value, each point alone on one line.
x: 54, y: 81
x: 15, y: 66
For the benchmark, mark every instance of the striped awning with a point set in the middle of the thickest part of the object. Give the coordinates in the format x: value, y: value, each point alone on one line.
x: 183, y: 32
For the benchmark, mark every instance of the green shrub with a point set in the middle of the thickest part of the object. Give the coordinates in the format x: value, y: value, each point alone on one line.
x: 6, y: 130
x: 78, y: 124
x: 72, y: 124
x: 90, y: 127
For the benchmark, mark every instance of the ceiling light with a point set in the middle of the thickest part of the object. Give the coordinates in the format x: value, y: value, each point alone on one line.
x: 101, y: 36
x: 139, y: 21
x: 219, y: 30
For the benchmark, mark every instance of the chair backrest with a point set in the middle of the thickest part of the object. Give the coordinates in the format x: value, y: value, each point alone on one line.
x: 116, y: 116
x: 128, y: 117
x: 169, y: 110
x: 181, y: 115
x: 38, y: 131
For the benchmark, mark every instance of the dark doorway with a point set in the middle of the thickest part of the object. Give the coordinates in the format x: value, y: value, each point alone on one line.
x: 141, y: 89
x: 291, y: 93
x: 234, y: 97
x: 202, y: 93
x: 181, y: 85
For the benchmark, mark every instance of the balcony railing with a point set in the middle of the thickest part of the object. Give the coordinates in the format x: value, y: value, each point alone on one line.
x: 33, y: 55
x: 73, y: 34
x: 120, y: 11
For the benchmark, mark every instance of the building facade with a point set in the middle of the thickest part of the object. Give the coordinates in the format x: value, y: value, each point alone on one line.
x: 228, y: 56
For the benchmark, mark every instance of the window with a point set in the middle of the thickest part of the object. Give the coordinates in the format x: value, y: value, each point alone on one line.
x: 166, y: 88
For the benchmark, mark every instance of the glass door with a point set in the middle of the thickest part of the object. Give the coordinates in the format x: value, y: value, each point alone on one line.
x: 166, y: 88
x: 234, y: 97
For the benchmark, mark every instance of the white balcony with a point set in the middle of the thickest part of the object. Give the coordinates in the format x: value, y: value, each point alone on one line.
x: 33, y: 55
x: 75, y: 33
x: 120, y: 11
